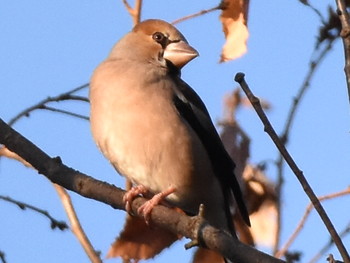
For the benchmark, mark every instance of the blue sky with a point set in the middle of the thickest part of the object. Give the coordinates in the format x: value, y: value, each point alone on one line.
x: 49, y: 47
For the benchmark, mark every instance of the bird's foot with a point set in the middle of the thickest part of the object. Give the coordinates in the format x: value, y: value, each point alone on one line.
x: 200, y: 219
x: 130, y: 195
x: 147, y: 207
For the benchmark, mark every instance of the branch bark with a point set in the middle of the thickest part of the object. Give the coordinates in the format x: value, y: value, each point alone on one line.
x: 194, y: 228
x: 345, y: 34
x: 298, y: 173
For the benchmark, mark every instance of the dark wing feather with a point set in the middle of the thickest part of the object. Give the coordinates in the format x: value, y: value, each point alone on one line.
x: 193, y: 110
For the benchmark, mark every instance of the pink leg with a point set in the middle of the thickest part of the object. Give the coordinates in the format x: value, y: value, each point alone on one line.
x: 147, y: 207
x: 131, y: 194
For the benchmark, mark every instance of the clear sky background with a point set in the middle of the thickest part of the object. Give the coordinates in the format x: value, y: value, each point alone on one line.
x: 50, y: 47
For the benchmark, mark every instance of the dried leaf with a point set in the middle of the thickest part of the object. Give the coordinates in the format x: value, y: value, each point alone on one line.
x: 140, y: 241
x: 234, y: 21
x: 203, y: 255
x: 261, y: 200
x: 264, y: 224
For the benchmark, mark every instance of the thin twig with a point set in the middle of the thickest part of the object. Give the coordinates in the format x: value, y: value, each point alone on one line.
x: 127, y: 6
x: 323, y: 250
x: 135, y: 12
x: 54, y: 223
x: 299, y: 174
x: 301, y: 224
x: 304, y: 87
x: 305, y: 2
x: 69, y: 113
x: 200, y: 13
x: 138, y: 8
x: 314, y: 63
x: 64, y: 96
x: 76, y: 226
x: 345, y: 34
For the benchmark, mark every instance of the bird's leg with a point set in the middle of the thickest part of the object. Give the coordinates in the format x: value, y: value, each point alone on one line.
x: 147, y: 207
x: 130, y: 195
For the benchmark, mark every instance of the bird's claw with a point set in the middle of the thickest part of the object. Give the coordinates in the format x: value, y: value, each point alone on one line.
x: 148, y: 206
x: 200, y: 218
x: 130, y: 195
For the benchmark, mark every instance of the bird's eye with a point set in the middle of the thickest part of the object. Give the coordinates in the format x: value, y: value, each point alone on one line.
x: 159, y: 37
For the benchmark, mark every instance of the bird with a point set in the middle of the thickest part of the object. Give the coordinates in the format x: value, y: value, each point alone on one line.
x: 157, y: 132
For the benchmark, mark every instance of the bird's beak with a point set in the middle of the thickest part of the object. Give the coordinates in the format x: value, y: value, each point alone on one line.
x: 179, y: 53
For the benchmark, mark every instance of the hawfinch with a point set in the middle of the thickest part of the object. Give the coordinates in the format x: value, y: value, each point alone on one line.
x: 156, y: 131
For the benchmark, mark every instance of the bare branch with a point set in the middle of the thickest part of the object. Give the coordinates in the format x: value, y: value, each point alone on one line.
x: 61, y: 225
x: 138, y: 7
x: 287, y: 128
x: 127, y: 6
x: 200, y: 13
x: 318, y: 13
x: 75, y: 225
x: 323, y: 250
x: 345, y: 34
x: 89, y: 187
x: 299, y: 174
x: 135, y: 12
x: 62, y: 97
x: 76, y: 115
x: 304, y: 87
x: 301, y: 224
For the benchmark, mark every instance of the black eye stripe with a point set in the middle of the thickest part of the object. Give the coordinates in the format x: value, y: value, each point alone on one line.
x: 161, y: 39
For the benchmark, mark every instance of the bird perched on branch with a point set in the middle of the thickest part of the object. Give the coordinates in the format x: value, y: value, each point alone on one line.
x: 156, y: 131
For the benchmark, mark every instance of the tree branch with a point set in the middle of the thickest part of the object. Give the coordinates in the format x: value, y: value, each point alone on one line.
x: 61, y: 225
x: 324, y: 249
x: 191, y: 227
x: 76, y: 226
x: 301, y: 224
x: 287, y: 128
x: 135, y: 12
x: 42, y: 104
x: 200, y: 13
x: 299, y: 174
x: 345, y: 34
x: 72, y: 114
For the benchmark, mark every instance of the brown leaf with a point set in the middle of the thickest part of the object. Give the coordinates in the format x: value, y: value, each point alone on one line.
x: 203, y: 255
x: 261, y: 200
x: 234, y: 21
x: 140, y: 241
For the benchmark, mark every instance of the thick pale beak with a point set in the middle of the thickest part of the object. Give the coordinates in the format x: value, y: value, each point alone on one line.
x: 179, y: 53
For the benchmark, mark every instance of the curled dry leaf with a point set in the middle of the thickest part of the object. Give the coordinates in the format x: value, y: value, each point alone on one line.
x: 261, y: 200
x: 234, y: 22
x: 140, y: 241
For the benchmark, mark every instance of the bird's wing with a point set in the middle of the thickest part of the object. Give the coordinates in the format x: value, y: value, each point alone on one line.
x: 192, y: 109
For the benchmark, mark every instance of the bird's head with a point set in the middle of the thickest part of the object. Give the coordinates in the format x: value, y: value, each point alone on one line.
x: 156, y: 40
